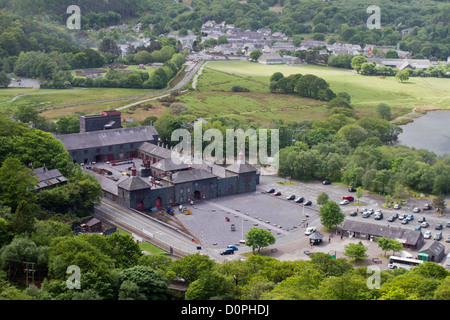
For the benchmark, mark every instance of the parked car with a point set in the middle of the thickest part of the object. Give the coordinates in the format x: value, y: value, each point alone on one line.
x: 397, y: 206
x: 308, y: 203
x: 270, y: 191
x: 416, y: 210
x: 438, y: 226
x: 424, y: 224
x: 366, y: 215
x: 353, y: 213
x: 378, y: 216
x: 232, y: 247
x: 391, y: 219
x: 227, y: 251
x: 427, y: 235
x: 349, y: 198
x: 343, y: 202
x: 401, y: 216
x: 438, y: 236
x: 395, y: 215
x: 422, y: 219
x: 300, y: 200
x: 351, y: 190
x: 448, y: 238
x: 291, y: 197
x: 418, y: 227
x: 326, y: 182
x: 371, y: 211
x: 309, y: 231
x: 448, y: 224
x: 410, y: 217
x: 427, y: 207
x: 405, y: 221
x: 278, y: 193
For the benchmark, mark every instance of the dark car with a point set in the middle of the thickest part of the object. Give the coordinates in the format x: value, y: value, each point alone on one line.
x: 291, y: 197
x: 438, y: 226
x: 391, y: 219
x: 349, y: 198
x: 270, y: 191
x: 300, y: 200
x: 325, y: 182
x: 351, y: 190
x: 308, y: 203
x: 227, y: 251
x: 353, y: 213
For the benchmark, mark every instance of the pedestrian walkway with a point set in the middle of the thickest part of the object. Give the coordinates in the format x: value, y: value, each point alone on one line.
x: 299, y: 249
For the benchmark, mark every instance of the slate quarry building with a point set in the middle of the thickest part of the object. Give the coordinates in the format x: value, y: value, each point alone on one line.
x: 155, y: 180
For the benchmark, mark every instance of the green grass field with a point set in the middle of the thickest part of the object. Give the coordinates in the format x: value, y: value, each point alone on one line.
x: 214, y: 94
x: 214, y: 97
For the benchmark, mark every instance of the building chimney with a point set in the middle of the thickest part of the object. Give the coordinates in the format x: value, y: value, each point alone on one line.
x: 133, y: 170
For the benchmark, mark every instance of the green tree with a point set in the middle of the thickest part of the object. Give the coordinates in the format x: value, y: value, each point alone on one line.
x: 331, y: 214
x: 71, y: 250
x: 384, y: 111
x: 17, y: 183
x: 389, y: 244
x: 442, y: 292
x: 5, y: 233
x: 68, y: 124
x: 258, y: 238
x: 255, y: 54
x: 402, y: 75
x: 144, y: 282
x: 4, y: 80
x: 210, y: 285
x: 23, y: 219
x: 276, y: 76
x: 346, y: 287
x: 322, y: 198
x: 439, y: 202
x: 124, y: 250
x: 357, y: 62
x: 355, y: 251
x: 192, y: 266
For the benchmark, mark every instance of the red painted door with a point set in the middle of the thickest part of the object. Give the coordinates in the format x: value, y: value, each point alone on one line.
x: 158, y: 202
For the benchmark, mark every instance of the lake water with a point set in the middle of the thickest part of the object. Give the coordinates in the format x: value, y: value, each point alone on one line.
x: 430, y: 131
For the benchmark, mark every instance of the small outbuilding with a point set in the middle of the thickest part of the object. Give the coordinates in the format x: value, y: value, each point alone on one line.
x: 315, y: 238
x: 432, y: 251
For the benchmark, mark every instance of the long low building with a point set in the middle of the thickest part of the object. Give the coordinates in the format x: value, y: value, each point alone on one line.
x: 365, y: 230
x: 107, y: 145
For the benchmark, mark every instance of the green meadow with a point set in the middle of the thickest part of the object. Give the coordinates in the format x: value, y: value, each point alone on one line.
x: 214, y: 96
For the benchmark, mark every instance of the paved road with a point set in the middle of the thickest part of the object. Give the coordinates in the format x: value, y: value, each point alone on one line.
x: 147, y: 228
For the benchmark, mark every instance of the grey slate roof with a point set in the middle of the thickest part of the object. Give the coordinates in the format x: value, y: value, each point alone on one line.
x: 190, y: 175
x: 433, y: 246
x: 153, y: 149
x: 95, y: 139
x: 133, y: 183
x: 48, y: 178
x: 405, y: 236
x: 169, y: 165
x: 241, y: 167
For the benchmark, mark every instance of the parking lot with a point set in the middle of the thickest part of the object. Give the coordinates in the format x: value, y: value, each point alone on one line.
x: 287, y: 220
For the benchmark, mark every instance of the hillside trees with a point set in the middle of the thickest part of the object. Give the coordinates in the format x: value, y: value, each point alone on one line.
x: 307, y: 86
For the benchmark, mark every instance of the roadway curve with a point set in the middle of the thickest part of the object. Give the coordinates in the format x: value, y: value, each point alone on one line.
x: 162, y: 235
x: 154, y: 96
